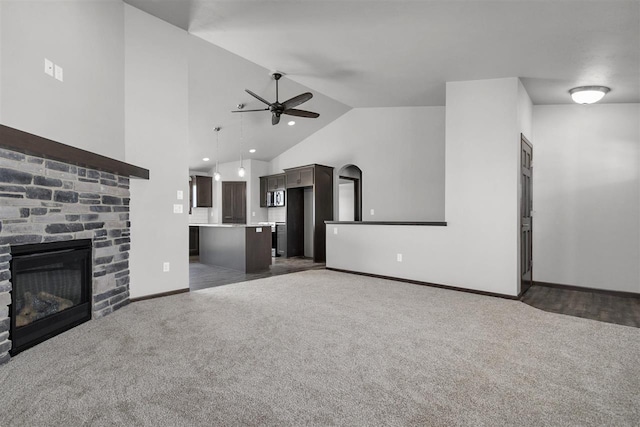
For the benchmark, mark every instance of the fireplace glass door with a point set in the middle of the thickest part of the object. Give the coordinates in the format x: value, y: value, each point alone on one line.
x: 51, y: 290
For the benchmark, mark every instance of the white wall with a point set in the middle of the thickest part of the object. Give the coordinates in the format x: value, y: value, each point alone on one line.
x: 479, y: 247
x: 1, y: 50
x: 86, y: 39
x: 156, y: 107
x: 586, y: 226
x: 400, y: 152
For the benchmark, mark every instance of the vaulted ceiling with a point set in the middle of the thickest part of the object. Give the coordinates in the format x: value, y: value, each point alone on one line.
x: 363, y: 53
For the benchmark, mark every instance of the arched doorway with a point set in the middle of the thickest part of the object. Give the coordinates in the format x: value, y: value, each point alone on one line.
x: 350, y: 193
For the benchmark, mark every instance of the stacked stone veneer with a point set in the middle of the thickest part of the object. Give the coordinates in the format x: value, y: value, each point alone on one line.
x: 44, y: 201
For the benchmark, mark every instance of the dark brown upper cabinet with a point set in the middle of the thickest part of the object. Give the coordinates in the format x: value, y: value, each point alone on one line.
x: 270, y: 183
x: 300, y: 177
x: 234, y: 202
x: 263, y: 191
x: 200, y: 191
x: 276, y: 182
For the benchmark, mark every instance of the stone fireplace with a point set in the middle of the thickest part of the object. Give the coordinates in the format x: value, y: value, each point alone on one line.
x: 44, y: 200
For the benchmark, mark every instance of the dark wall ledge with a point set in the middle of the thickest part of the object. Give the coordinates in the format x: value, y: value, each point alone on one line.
x: 33, y: 145
x: 431, y: 223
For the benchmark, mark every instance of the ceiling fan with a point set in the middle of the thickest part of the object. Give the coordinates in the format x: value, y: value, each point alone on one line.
x: 287, y: 107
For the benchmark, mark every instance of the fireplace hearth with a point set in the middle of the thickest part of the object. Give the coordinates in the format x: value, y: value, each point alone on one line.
x: 51, y: 290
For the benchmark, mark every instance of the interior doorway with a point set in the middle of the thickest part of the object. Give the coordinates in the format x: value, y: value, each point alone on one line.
x: 526, y: 223
x: 350, y: 193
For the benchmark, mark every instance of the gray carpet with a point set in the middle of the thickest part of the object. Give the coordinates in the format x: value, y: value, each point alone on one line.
x: 326, y: 348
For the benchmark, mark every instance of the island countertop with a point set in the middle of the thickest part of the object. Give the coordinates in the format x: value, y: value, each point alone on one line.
x: 229, y: 225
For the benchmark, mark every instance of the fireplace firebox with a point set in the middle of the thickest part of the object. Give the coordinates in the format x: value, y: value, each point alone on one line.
x: 51, y: 290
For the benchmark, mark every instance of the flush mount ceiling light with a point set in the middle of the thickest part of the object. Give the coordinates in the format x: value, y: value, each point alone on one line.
x: 588, y: 94
x: 206, y: 159
x: 253, y: 150
x: 291, y: 123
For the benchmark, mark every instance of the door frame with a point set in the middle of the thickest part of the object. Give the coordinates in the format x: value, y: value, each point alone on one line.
x: 525, y: 284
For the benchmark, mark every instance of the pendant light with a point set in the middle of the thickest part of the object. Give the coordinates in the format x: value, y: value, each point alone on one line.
x: 216, y: 174
x: 241, y: 170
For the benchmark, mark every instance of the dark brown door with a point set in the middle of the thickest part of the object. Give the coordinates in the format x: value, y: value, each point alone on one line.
x: 526, y: 223
x: 234, y: 202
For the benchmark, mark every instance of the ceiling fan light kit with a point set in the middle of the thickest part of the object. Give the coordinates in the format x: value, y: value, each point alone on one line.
x: 588, y: 94
x: 278, y: 108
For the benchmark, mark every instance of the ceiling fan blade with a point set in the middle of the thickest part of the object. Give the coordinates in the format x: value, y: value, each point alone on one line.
x: 301, y: 113
x: 258, y: 97
x: 248, y: 111
x: 275, y: 119
x: 297, y: 100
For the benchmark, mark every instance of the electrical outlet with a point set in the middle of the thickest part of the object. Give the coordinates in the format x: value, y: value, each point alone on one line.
x: 165, y: 266
x: 48, y: 67
x: 177, y: 209
x: 399, y: 257
x: 58, y: 72
x: 179, y: 195
x: 372, y: 212
x: 335, y: 230
x: 253, y: 214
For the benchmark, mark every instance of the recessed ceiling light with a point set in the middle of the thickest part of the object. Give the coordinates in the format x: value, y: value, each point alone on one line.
x: 291, y: 123
x: 588, y: 94
x: 206, y: 159
x: 253, y: 150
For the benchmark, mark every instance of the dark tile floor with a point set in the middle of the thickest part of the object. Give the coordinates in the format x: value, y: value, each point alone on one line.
x: 203, y: 276
x: 620, y: 310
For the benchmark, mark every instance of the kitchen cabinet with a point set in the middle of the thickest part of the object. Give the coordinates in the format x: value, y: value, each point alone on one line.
x: 321, y: 207
x: 300, y: 177
x: 281, y: 240
x: 276, y: 182
x: 194, y: 241
x: 200, y: 192
x: 234, y: 202
x: 268, y: 184
x: 263, y: 191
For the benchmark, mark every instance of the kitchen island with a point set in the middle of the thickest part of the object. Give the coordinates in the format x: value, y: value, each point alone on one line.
x: 240, y: 247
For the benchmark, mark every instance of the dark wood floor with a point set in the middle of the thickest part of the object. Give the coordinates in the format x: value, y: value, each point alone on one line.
x: 203, y: 276
x: 620, y: 310
x: 587, y: 304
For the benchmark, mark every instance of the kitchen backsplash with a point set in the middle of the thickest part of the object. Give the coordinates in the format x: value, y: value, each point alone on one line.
x: 277, y: 214
x: 199, y: 216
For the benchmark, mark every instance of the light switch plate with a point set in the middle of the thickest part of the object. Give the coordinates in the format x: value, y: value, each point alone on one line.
x: 399, y: 257
x: 177, y: 209
x: 179, y: 195
x: 48, y: 67
x: 335, y: 230
x: 58, y: 73
x: 372, y: 212
x: 165, y: 266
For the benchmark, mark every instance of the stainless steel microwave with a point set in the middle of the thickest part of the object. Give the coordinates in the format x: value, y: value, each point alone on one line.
x: 275, y: 198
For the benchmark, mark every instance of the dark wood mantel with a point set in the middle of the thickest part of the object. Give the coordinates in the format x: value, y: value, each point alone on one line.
x: 33, y: 145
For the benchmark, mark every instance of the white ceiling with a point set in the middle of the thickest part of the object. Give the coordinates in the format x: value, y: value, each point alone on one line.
x: 365, y: 53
